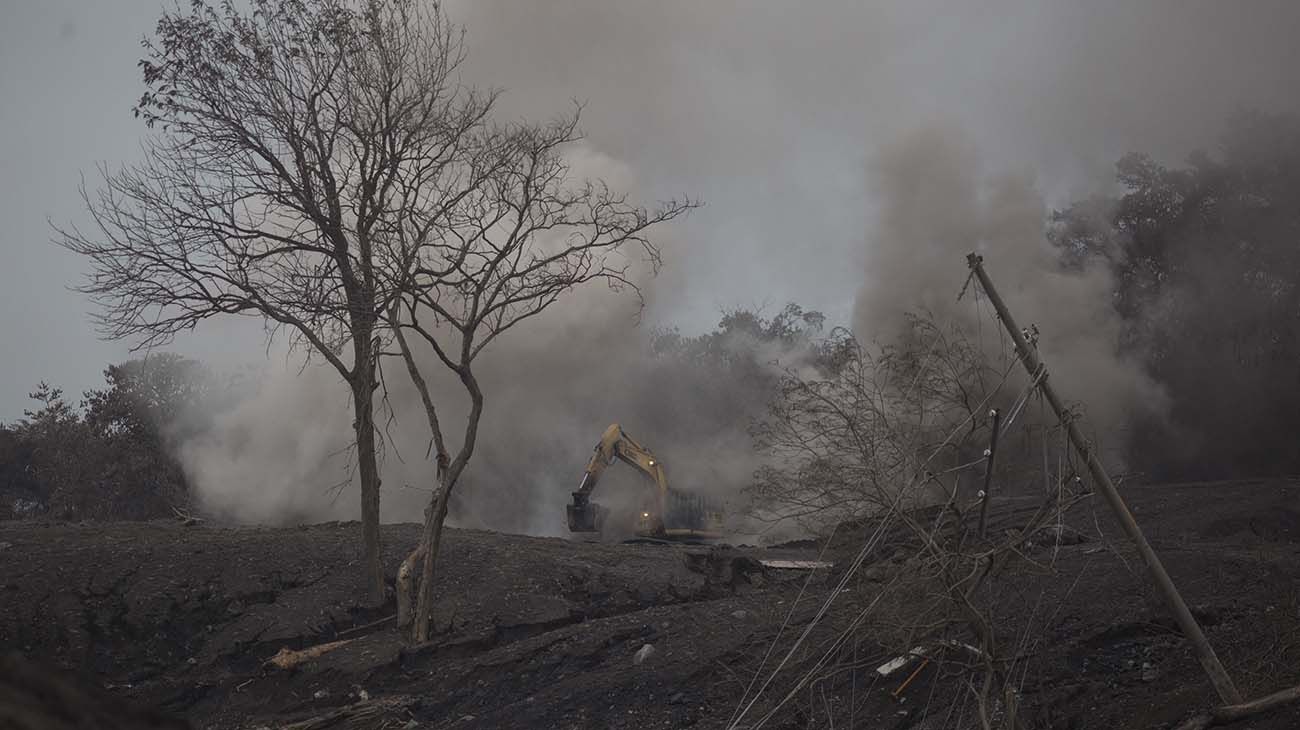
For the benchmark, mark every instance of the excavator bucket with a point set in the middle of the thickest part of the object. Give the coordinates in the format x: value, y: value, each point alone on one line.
x: 584, y: 515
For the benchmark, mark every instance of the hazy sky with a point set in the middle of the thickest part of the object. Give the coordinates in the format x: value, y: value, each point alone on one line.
x: 768, y: 111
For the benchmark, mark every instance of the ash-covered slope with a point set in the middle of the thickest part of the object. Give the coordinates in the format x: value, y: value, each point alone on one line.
x: 544, y: 633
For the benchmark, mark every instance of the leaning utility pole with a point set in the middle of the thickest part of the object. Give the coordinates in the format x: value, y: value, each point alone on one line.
x: 1029, y: 358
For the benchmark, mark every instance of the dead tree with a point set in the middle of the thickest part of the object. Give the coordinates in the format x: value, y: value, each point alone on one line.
x: 505, y: 253
x: 298, y: 148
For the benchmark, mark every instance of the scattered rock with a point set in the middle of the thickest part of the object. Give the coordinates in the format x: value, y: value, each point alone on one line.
x: 1149, y: 672
x: 645, y: 652
x: 6, y: 545
x: 321, y: 694
x: 740, y: 615
x: 677, y: 699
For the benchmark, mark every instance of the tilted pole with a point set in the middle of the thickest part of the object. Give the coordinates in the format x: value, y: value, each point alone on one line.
x: 1029, y: 358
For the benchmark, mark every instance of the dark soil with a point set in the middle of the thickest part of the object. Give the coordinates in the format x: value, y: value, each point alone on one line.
x: 542, y: 633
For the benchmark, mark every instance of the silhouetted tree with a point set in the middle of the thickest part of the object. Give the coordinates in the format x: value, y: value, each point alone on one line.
x: 111, y: 456
x: 317, y: 163
x: 1207, y: 264
x: 510, y: 249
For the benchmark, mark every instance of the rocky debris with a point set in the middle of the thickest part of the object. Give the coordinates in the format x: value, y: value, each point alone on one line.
x: 726, y: 570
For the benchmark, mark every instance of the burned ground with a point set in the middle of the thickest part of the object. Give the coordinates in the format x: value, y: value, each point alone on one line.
x: 535, y: 632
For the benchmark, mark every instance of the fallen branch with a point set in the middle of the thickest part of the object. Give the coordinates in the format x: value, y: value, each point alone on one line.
x: 287, y: 658
x: 1232, y: 713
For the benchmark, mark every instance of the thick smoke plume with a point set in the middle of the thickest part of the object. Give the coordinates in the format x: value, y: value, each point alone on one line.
x: 936, y: 205
x: 551, y: 390
x: 273, y: 448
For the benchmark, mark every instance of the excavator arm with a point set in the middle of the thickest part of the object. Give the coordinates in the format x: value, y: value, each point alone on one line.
x: 669, y: 513
x: 586, y: 516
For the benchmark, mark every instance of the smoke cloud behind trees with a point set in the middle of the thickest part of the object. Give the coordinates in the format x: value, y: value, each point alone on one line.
x: 849, y: 155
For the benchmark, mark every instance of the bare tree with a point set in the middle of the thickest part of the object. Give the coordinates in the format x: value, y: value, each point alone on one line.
x: 511, y: 249
x: 841, y: 436
x: 303, y: 152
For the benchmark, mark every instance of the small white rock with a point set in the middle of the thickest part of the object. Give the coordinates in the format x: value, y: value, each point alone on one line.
x: 739, y: 615
x: 645, y: 652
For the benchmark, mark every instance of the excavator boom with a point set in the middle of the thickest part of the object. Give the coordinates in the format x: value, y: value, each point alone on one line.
x: 669, y: 513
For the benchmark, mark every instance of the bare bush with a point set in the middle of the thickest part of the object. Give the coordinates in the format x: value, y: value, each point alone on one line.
x: 884, y: 449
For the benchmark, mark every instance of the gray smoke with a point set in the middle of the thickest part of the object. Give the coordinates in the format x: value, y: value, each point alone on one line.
x: 772, y: 114
x: 551, y: 389
x: 274, y: 448
x: 937, y: 203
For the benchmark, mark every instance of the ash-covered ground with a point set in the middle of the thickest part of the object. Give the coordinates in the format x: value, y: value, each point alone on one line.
x: 543, y: 633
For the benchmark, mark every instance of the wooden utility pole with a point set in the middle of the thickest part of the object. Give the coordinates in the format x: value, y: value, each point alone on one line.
x: 1029, y: 358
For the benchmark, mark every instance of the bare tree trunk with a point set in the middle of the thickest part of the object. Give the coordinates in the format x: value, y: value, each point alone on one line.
x: 430, y: 542
x: 405, y: 584
x: 368, y: 470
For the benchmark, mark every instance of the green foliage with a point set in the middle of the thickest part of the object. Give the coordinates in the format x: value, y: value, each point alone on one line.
x: 109, y: 457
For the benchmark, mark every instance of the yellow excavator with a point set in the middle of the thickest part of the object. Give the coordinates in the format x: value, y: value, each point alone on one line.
x: 666, y: 514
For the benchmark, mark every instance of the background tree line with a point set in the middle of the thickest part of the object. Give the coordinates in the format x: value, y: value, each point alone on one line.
x: 108, y: 456
x: 1207, y: 264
